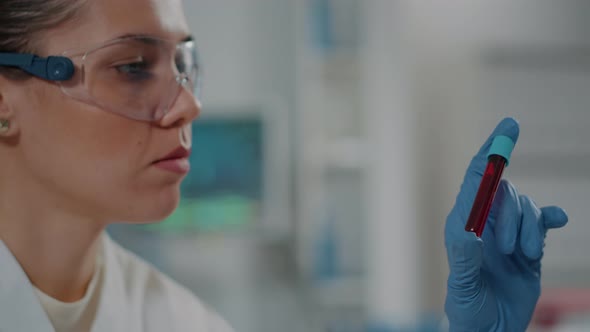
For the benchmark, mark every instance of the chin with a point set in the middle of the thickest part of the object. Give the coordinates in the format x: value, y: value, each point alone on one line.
x: 154, y: 209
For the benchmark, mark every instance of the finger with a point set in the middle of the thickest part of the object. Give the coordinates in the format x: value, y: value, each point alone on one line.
x: 532, y: 233
x: 507, y: 127
x: 554, y: 217
x: 508, y: 218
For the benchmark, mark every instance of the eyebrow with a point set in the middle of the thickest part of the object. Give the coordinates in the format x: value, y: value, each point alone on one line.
x: 149, y: 39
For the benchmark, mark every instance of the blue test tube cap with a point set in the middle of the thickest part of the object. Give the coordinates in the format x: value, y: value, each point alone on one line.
x: 502, y: 146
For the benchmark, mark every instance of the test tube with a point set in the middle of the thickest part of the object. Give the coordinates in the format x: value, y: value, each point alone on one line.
x: 498, y: 159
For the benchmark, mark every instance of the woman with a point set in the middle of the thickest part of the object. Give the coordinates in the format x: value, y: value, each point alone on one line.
x: 95, y: 128
x: 102, y: 138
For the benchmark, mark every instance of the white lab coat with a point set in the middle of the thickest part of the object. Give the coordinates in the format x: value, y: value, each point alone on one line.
x: 135, y: 297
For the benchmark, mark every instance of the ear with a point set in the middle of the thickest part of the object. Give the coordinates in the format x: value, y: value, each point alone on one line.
x: 8, y: 123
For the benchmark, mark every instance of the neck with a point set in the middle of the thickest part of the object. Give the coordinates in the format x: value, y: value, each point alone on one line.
x: 56, y: 247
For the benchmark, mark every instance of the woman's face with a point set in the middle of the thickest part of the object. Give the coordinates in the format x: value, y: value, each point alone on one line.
x: 99, y: 163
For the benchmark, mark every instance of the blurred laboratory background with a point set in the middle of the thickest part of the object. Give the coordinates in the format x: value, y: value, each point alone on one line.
x: 332, y: 143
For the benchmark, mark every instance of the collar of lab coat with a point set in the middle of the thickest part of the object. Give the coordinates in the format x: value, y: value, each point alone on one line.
x: 21, y: 310
x: 112, y: 312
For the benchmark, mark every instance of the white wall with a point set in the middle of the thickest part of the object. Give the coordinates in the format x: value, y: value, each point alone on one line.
x: 457, y: 95
x: 462, y: 94
x: 247, y: 48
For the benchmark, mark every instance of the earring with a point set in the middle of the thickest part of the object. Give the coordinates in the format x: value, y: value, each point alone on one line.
x: 4, y: 126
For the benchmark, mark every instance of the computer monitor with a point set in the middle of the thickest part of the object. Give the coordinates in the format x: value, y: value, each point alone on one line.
x: 240, y: 174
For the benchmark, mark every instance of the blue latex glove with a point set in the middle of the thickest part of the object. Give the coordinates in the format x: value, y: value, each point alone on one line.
x: 494, y: 282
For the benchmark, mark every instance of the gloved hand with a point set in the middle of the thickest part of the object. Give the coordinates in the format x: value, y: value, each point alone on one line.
x: 494, y: 282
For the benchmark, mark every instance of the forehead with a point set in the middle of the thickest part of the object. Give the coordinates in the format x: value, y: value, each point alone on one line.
x: 104, y: 20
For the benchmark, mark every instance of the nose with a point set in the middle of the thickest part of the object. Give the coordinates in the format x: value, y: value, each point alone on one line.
x: 184, y: 109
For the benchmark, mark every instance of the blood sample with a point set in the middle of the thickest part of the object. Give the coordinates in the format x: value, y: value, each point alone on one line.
x: 498, y: 159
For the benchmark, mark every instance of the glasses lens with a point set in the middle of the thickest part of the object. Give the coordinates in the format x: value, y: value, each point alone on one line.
x: 187, y: 65
x: 136, y: 77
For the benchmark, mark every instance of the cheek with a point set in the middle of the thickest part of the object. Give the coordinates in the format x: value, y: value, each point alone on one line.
x: 78, y: 134
x: 81, y: 150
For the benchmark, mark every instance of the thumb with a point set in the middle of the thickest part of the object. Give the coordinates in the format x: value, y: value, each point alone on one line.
x: 464, y: 286
x: 465, y: 256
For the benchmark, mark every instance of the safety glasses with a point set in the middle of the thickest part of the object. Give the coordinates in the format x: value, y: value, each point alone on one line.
x: 138, y: 77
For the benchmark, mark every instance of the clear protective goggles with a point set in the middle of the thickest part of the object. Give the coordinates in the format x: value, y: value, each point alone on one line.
x: 138, y: 77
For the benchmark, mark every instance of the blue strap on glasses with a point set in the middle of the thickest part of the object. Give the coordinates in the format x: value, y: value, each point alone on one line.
x: 52, y: 68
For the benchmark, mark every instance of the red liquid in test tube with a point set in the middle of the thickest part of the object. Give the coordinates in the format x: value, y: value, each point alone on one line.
x: 489, y: 185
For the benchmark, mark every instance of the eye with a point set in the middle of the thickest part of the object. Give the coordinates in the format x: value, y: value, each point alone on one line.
x: 184, y: 60
x: 180, y: 64
x: 136, y: 70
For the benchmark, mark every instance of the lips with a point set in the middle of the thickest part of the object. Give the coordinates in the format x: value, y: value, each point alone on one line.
x: 176, y: 161
x: 177, y: 153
